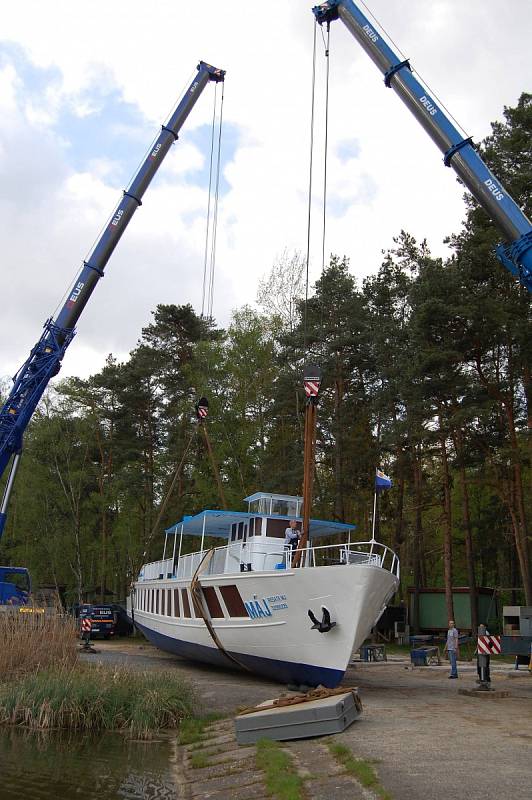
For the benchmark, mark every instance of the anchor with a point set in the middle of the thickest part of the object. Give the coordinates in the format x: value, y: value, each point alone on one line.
x: 325, y: 625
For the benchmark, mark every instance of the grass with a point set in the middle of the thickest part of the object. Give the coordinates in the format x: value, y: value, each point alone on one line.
x: 31, y: 641
x: 194, y: 731
x: 199, y: 761
x: 282, y: 781
x: 361, y: 769
x: 94, y: 698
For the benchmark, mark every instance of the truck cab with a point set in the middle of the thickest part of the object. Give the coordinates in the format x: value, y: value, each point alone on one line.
x: 15, y: 586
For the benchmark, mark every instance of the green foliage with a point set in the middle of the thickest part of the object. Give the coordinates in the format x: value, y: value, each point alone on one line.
x: 426, y: 372
x: 282, y: 781
x: 92, y: 699
x: 361, y: 769
x: 195, y: 729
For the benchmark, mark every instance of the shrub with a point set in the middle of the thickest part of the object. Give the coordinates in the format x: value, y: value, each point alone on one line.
x: 31, y: 641
x: 95, y: 698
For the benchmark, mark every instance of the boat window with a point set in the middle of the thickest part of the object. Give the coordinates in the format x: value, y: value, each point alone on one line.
x: 233, y: 531
x: 256, y: 525
x: 186, y: 603
x: 156, y: 601
x: 260, y: 506
x: 168, y: 602
x: 276, y: 527
x: 152, y: 601
x: 233, y: 601
x: 240, y: 530
x: 163, y: 601
x: 176, y: 603
x: 213, y: 604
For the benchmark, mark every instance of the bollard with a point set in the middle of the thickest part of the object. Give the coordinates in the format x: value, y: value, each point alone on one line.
x: 86, y: 627
x: 483, y: 665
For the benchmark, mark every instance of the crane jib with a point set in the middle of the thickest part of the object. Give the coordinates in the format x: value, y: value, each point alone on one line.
x: 458, y: 152
x: 45, y: 358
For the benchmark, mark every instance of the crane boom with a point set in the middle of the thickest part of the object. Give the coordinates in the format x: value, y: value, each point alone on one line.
x: 458, y: 152
x: 45, y: 358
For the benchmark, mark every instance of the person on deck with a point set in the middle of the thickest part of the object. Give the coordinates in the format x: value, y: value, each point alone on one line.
x: 291, y: 535
x: 452, y: 647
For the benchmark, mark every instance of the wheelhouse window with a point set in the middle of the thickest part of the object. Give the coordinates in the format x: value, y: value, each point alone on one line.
x: 276, y: 527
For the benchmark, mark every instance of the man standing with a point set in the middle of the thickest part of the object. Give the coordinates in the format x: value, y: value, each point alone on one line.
x: 452, y: 648
x: 291, y: 535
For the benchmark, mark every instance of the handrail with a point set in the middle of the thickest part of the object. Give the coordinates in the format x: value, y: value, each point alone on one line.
x: 348, y: 554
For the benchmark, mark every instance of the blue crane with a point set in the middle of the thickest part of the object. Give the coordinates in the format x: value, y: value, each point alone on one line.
x: 46, y: 356
x: 458, y: 152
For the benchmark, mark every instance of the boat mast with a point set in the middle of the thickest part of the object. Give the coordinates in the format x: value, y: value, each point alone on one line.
x: 311, y: 383
x: 202, y: 412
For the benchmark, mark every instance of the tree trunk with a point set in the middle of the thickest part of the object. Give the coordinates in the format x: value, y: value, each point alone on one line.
x: 517, y: 511
x: 418, y: 538
x: 468, y: 534
x: 339, y: 510
x: 447, y: 530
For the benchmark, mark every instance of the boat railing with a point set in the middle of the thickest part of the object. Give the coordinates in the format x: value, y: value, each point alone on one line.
x: 156, y: 569
x: 370, y: 553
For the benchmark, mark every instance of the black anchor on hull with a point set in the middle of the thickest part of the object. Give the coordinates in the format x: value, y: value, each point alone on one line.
x: 325, y: 625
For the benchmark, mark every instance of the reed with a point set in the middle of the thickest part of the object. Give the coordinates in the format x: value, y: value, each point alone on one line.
x: 31, y: 641
x: 95, y: 698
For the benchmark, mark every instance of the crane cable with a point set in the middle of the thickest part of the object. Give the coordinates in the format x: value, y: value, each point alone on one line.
x: 207, y: 228
x: 327, y: 50
x: 309, y: 211
x: 209, y: 259
x: 326, y: 43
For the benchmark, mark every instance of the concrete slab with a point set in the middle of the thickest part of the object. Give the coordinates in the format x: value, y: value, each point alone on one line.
x: 490, y: 694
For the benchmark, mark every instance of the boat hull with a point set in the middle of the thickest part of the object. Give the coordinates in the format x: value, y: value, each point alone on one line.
x: 276, y: 639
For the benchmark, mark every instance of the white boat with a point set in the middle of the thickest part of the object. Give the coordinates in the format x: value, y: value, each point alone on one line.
x: 248, y: 601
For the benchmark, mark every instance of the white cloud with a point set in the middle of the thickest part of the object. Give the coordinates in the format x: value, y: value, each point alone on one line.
x: 51, y: 210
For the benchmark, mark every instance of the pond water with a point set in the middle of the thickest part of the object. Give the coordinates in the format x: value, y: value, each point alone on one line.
x: 36, y: 766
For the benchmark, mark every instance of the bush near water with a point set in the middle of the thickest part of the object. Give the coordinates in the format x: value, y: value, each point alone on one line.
x: 43, y: 686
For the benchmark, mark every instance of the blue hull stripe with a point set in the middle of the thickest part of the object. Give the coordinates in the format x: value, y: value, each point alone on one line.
x: 281, y: 671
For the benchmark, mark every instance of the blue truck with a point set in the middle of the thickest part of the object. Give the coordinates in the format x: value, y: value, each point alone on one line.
x: 15, y: 586
x: 102, y: 617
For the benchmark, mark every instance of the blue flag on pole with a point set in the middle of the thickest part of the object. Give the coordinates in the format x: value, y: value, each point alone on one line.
x: 382, y: 481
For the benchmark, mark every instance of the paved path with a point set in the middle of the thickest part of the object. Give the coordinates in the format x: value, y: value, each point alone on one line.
x: 232, y: 771
x: 415, y: 725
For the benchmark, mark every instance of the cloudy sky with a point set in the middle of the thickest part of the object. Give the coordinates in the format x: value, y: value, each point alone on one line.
x: 84, y: 87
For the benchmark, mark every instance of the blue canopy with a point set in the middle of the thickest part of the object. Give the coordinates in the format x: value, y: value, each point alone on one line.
x: 218, y: 523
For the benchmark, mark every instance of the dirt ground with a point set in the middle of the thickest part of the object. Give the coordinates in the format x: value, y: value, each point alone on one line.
x: 428, y: 740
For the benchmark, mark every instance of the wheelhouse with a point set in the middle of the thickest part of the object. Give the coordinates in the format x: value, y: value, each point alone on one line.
x: 254, y: 541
